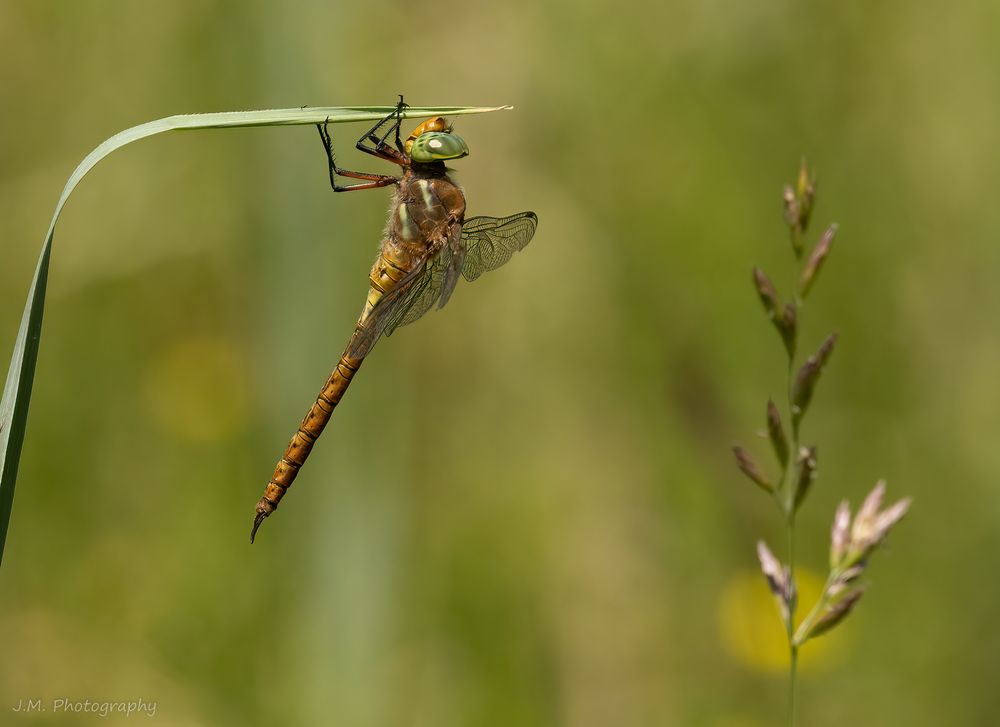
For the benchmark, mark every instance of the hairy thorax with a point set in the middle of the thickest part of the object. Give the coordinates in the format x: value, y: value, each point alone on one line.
x: 428, y: 211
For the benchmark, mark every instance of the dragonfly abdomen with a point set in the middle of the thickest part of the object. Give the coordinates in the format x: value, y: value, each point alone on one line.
x: 302, y: 442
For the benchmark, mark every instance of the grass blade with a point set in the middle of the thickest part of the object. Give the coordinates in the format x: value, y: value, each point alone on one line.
x: 20, y: 376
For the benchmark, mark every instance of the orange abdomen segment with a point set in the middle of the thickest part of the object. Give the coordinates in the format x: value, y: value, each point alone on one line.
x: 308, y: 432
x: 386, y: 274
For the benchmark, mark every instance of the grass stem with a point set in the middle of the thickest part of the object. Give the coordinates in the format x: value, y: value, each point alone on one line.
x: 792, y: 671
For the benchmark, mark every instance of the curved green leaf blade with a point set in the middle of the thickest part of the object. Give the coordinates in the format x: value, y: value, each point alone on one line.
x: 17, y: 389
x: 20, y: 376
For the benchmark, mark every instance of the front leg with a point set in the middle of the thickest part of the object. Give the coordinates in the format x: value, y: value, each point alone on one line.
x: 375, y: 180
x: 379, y: 147
x: 399, y: 118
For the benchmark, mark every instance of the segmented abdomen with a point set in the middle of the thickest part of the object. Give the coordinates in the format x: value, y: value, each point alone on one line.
x: 385, y: 275
x: 308, y: 432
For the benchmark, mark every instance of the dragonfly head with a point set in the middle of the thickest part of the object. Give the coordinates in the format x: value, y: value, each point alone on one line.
x: 434, y: 141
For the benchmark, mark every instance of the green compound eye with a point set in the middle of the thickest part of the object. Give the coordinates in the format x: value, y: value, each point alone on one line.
x: 435, y: 146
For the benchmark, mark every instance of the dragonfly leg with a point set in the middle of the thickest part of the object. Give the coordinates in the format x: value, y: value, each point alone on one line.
x: 372, y: 134
x: 378, y: 146
x: 399, y: 110
x: 363, y: 185
x: 375, y: 180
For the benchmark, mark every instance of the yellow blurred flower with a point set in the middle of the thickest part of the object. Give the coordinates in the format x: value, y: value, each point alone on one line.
x: 751, y: 630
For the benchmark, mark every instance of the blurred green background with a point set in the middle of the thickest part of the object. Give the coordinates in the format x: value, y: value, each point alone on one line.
x: 525, y: 512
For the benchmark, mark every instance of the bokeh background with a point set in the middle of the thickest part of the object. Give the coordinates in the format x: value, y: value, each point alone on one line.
x: 525, y: 512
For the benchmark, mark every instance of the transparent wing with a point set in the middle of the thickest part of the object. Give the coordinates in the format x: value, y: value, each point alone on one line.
x: 489, y: 242
x: 391, y: 310
x: 423, y: 295
x: 455, y: 260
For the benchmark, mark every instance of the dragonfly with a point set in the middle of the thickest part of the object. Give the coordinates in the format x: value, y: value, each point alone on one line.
x: 428, y: 245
